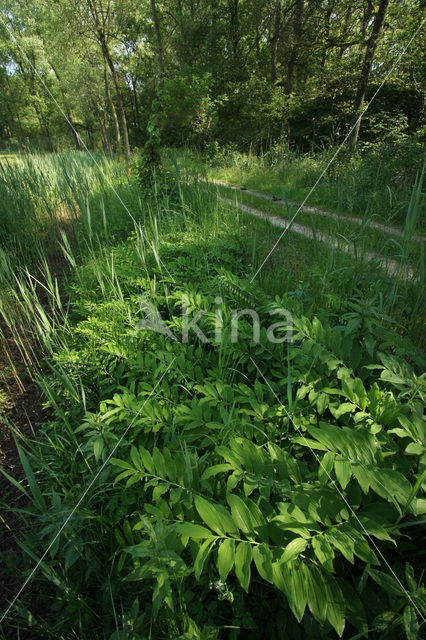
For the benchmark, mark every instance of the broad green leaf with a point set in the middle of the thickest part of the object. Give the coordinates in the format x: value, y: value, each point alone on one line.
x: 294, y: 583
x: 317, y: 600
x: 248, y: 520
x: 323, y: 551
x: 225, y: 558
x: 127, y: 530
x: 387, y: 582
x: 302, y: 392
x: 159, y: 491
x: 411, y: 624
x: 160, y: 463
x: 418, y: 506
x: 142, y: 572
x: 384, y: 620
x: 256, y: 515
x: 232, y: 458
x: 136, y: 459
x: 345, y: 407
x: 162, y: 593
x: 215, y: 469
x: 391, y: 485
x: 409, y: 576
x: 311, y: 444
x: 363, y: 551
x: 291, y: 524
x: 192, y: 530
x: 278, y: 577
x: 202, y: 555
x: 122, y: 464
x: 243, y: 557
x: 147, y: 460
x: 325, y: 467
x: 369, y: 344
x: 372, y: 527
x: 335, y: 606
x: 341, y: 541
x: 414, y: 449
x: 343, y: 470
x: 363, y: 476
x: 250, y: 484
x: 262, y: 556
x: 98, y: 447
x: 293, y: 549
x: 322, y: 403
x: 215, y: 516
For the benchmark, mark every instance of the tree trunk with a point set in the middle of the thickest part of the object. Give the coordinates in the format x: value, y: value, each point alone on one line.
x: 120, y: 102
x: 234, y: 26
x: 90, y: 136
x: 43, y: 125
x: 367, y: 13
x: 274, y: 41
x: 297, y: 34
x: 75, y: 134
x: 12, y: 114
x: 106, y: 142
x: 113, y: 110
x: 100, y: 114
x: 367, y: 64
x: 346, y: 25
x: 330, y: 9
x: 160, y: 50
x: 99, y: 20
x: 136, y: 108
x: 33, y: 92
x: 152, y: 149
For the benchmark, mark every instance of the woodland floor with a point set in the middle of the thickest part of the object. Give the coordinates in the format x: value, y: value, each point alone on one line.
x: 21, y: 407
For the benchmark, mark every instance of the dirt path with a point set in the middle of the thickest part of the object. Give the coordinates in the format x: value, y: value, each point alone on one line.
x: 391, y: 266
x: 319, y: 212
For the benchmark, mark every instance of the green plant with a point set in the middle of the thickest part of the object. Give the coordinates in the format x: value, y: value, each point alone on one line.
x: 148, y: 166
x: 211, y: 477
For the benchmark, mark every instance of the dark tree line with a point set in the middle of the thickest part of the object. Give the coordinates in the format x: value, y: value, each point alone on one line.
x: 236, y: 71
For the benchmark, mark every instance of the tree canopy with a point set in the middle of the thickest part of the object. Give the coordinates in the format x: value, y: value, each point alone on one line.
x: 76, y: 73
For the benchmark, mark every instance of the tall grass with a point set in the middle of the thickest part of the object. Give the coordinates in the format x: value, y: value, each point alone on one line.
x: 60, y: 210
x: 377, y: 181
x: 72, y: 305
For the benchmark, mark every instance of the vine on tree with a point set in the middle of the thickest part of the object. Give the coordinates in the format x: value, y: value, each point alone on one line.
x: 149, y: 166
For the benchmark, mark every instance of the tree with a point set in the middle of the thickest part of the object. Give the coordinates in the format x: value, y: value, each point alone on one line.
x: 297, y: 35
x: 100, y: 12
x: 370, y: 50
x: 150, y: 160
x: 275, y: 38
x: 230, y: 64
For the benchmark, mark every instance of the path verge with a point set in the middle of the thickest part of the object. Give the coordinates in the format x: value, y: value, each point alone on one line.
x: 393, y: 267
x: 320, y: 212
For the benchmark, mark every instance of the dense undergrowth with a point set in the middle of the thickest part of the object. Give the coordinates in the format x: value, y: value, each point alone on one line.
x: 238, y: 489
x: 376, y: 181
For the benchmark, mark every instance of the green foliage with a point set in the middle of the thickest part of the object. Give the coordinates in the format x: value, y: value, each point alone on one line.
x: 375, y: 182
x: 194, y: 115
x: 148, y: 165
x: 394, y: 115
x: 301, y: 490
x: 237, y: 73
